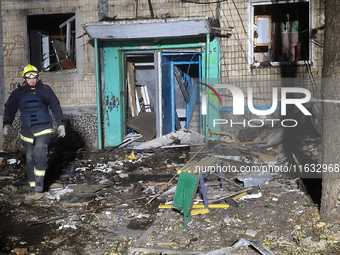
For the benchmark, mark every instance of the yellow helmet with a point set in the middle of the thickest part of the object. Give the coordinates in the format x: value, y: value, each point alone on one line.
x: 30, y: 72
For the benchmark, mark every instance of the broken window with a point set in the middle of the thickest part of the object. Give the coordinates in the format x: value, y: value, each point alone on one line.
x: 52, y: 41
x: 281, y: 32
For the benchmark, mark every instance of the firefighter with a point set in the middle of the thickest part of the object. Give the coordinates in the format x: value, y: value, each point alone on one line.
x: 35, y: 101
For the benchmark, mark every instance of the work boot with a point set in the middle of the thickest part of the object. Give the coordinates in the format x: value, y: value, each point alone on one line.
x: 31, y: 192
x: 39, y: 189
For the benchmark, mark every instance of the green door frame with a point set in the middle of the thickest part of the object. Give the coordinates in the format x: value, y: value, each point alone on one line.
x: 112, y: 114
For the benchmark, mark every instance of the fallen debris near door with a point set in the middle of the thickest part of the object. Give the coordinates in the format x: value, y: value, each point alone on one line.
x: 249, y: 196
x: 230, y: 135
x: 144, y: 123
x: 183, y: 136
x: 76, y: 199
x: 58, y: 192
x: 130, y: 138
x: 130, y: 157
x: 233, y: 158
x: 255, y: 179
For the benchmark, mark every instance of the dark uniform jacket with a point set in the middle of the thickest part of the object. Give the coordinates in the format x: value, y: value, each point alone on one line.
x: 35, y: 104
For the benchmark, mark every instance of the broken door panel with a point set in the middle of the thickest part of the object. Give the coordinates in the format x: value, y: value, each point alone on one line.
x: 130, y: 78
x: 114, y: 89
x: 181, y: 97
x: 189, y: 67
x: 168, y: 102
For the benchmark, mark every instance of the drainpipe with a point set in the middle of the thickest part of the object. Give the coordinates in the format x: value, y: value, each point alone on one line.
x: 99, y: 112
x: 207, y: 62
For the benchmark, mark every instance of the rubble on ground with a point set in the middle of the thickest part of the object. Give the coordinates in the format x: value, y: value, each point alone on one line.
x: 119, y: 200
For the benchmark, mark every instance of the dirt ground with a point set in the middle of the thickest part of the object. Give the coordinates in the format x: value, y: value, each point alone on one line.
x: 107, y: 202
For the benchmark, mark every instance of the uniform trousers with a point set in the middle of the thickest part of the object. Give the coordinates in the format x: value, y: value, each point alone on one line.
x: 36, y: 161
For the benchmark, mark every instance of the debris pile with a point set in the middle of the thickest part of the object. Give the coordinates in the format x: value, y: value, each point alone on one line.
x: 172, y: 194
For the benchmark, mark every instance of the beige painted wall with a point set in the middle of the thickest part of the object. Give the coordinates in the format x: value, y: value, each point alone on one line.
x: 78, y: 89
x: 234, y: 18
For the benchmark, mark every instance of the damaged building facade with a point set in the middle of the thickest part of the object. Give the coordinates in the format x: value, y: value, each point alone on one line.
x: 125, y: 66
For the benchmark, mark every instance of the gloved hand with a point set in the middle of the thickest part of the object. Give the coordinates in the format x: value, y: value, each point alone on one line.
x: 7, y: 129
x: 61, y: 131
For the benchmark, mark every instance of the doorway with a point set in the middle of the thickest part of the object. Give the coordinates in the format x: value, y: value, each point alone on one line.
x: 161, y: 91
x: 180, y: 74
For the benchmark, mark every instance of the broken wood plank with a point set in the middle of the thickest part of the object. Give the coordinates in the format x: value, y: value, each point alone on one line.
x: 155, y: 183
x: 206, y: 161
x: 212, y: 183
x: 231, y: 135
x: 245, y: 143
x: 131, y: 87
x: 6, y: 178
x: 266, y: 158
x: 296, y: 160
x: 230, y: 194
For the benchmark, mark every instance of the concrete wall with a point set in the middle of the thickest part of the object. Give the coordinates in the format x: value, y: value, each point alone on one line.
x: 235, y: 17
x: 76, y: 89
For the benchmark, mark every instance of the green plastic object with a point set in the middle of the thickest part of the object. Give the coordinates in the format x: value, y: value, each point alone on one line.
x: 185, y: 194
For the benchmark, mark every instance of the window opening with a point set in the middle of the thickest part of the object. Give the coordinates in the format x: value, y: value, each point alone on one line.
x: 52, y: 41
x: 281, y: 32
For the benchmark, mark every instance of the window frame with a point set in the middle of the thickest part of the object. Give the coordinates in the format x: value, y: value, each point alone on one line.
x: 257, y: 17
